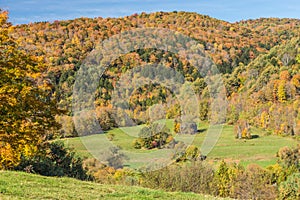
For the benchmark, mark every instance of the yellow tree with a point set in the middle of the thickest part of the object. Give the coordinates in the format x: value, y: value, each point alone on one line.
x: 281, y: 92
x: 26, y: 109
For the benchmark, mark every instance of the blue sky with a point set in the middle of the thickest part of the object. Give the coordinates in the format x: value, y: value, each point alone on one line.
x: 25, y: 11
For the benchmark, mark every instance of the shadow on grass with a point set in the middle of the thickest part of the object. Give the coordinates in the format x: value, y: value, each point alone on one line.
x: 201, y: 130
x: 254, y: 136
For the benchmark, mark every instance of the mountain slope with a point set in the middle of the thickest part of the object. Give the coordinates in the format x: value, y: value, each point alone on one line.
x: 63, y: 45
x: 266, y: 92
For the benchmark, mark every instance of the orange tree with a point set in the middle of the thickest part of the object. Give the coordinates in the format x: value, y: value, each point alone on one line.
x: 26, y: 108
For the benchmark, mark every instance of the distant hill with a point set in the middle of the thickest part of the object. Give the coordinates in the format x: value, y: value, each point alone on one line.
x: 64, y: 43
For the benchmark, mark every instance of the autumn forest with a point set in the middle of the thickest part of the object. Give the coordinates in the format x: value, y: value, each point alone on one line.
x: 258, y: 64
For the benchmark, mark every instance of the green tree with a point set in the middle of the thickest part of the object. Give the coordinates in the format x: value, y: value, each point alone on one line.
x: 298, y: 58
x: 153, y: 136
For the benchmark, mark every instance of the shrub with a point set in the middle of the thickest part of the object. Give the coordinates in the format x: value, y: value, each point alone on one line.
x: 253, y: 183
x: 104, y: 174
x: 290, y: 189
x: 289, y: 158
x: 188, y: 128
x: 153, y: 136
x: 194, y: 177
x: 56, y: 160
x: 110, y: 136
x: 184, y: 127
x: 185, y: 153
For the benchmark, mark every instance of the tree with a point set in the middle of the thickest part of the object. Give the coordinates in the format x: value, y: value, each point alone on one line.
x: 153, y: 136
x: 298, y: 58
x: 57, y: 160
x: 286, y: 58
x: 188, y: 128
x: 105, y: 118
x: 176, y: 126
x: 281, y: 92
x: 115, y: 158
x: 224, y: 179
x: 27, y: 110
x: 242, y: 129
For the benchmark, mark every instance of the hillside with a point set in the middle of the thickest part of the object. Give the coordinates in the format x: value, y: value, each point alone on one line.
x: 65, y: 44
x: 19, y: 185
x: 249, y: 54
x: 266, y: 92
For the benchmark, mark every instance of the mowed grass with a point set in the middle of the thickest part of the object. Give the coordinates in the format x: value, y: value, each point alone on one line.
x: 261, y: 149
x: 19, y: 185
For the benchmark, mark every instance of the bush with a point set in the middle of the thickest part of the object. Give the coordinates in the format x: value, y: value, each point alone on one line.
x: 153, y: 136
x: 194, y: 177
x: 289, y: 158
x: 184, y: 127
x: 290, y: 189
x: 115, y: 158
x: 104, y: 174
x: 110, y: 136
x: 55, y: 160
x: 188, y: 128
x: 254, y: 183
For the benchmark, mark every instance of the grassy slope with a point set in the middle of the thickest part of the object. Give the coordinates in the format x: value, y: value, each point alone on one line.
x: 261, y: 150
x: 19, y: 185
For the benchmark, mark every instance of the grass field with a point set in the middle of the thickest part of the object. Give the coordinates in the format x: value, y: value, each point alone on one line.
x: 19, y: 185
x: 260, y: 150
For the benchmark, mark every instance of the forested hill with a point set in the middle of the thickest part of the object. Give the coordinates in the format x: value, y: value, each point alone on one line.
x: 257, y: 57
x: 65, y: 43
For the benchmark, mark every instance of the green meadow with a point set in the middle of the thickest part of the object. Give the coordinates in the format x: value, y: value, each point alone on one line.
x: 261, y: 149
x: 20, y: 185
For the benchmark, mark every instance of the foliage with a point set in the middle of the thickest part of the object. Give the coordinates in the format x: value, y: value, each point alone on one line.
x: 228, y: 180
x: 27, y: 109
x: 268, y: 98
x: 104, y: 174
x: 114, y: 157
x: 290, y: 189
x: 224, y: 178
x: 176, y: 126
x: 185, y: 127
x: 56, y: 160
x: 242, y: 130
x: 105, y: 118
x: 262, y: 83
x: 67, y: 126
x: 185, y: 153
x: 245, y: 52
x: 196, y: 177
x: 153, y: 136
x: 289, y: 158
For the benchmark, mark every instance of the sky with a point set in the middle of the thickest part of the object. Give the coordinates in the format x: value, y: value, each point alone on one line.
x: 26, y: 11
